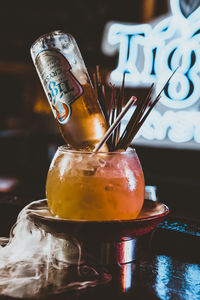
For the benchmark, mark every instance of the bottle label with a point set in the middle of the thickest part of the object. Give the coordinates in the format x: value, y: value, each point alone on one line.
x: 60, y: 85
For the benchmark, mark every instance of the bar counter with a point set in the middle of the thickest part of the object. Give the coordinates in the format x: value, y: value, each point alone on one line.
x: 167, y: 264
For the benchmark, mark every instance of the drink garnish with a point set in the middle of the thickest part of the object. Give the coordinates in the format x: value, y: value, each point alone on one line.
x: 111, y: 102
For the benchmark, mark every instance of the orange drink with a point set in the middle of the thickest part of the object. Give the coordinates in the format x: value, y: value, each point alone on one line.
x: 95, y: 187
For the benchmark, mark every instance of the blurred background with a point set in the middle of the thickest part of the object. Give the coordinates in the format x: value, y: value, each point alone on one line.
x: 28, y: 132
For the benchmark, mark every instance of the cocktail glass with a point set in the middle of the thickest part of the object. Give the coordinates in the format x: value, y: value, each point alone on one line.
x: 95, y: 186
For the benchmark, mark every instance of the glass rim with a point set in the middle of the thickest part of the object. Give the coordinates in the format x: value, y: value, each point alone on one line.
x: 67, y: 149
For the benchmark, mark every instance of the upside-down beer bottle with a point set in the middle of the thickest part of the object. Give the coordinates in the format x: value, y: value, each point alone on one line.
x: 69, y: 90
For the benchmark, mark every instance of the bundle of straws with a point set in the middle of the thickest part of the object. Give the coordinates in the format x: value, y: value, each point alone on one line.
x: 111, y: 101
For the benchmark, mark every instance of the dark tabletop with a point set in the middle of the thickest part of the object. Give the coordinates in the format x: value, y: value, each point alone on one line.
x: 167, y: 267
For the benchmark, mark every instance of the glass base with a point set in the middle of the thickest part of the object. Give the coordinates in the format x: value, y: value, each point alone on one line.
x: 95, y: 242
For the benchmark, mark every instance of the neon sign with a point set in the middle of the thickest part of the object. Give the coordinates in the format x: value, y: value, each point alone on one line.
x: 178, y: 126
x: 150, y: 53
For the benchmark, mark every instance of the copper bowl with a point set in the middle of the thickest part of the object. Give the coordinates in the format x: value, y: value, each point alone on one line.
x: 102, y: 242
x: 151, y: 215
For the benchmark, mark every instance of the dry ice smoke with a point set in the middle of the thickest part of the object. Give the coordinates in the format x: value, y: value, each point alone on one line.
x: 33, y: 263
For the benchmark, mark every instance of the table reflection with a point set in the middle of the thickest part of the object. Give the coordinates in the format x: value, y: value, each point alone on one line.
x: 161, y: 277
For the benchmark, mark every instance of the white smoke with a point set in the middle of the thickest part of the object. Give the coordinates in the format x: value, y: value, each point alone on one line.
x: 35, y: 263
